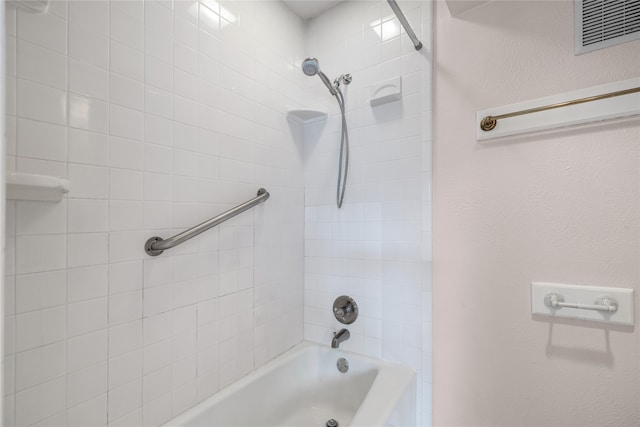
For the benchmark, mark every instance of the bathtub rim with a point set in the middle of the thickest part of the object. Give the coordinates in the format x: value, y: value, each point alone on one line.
x: 397, y: 378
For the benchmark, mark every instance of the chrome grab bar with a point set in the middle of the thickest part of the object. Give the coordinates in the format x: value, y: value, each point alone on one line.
x: 407, y: 27
x: 156, y: 245
x: 555, y: 301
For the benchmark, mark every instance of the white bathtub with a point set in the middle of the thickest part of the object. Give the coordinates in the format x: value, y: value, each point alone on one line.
x: 303, y: 387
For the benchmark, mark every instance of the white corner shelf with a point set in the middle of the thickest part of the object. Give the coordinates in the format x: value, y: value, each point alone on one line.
x: 29, y: 186
x: 306, y: 116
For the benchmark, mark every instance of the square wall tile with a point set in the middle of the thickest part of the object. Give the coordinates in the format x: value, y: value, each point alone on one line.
x: 41, y: 103
x: 125, y: 276
x: 86, y: 384
x: 40, y: 402
x: 86, y: 350
x: 41, y: 65
x: 126, y: 28
x: 125, y: 184
x: 125, y: 399
x: 41, y: 218
x: 126, y: 60
x: 90, y: 413
x: 125, y: 369
x: 88, y: 46
x: 85, y: 249
x: 88, y: 148
x: 41, y: 140
x: 40, y: 253
x: 126, y: 92
x: 89, y: 181
x: 44, y: 29
x: 40, y: 290
x: 87, y: 316
x: 88, y: 215
x: 40, y: 365
x: 40, y: 327
x: 127, y: 123
x: 86, y: 283
x: 88, y: 114
x: 89, y: 80
x: 90, y: 16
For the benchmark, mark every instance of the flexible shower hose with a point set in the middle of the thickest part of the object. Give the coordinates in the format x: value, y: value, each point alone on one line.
x: 344, y: 151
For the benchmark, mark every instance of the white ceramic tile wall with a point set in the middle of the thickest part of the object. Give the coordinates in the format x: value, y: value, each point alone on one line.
x: 377, y: 248
x: 162, y: 114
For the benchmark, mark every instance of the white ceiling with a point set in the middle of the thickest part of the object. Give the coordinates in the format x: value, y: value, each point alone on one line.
x: 307, y: 9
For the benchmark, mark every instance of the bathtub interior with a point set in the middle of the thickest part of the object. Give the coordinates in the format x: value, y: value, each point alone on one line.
x: 306, y: 390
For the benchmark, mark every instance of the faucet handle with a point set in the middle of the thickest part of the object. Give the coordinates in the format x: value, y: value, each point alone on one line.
x: 342, y: 311
x: 345, y: 309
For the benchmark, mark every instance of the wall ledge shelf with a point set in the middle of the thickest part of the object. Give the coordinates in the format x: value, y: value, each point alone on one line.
x: 29, y: 186
x: 306, y: 115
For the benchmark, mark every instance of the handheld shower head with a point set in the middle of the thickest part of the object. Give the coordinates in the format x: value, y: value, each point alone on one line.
x: 311, y: 67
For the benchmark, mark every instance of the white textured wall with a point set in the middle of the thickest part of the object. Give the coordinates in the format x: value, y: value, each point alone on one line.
x: 376, y: 248
x: 559, y: 207
x: 161, y: 114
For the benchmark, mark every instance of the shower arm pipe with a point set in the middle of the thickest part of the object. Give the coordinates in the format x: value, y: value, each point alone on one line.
x: 156, y: 245
x: 405, y: 24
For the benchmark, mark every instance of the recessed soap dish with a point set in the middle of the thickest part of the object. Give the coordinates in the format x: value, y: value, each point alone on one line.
x: 385, y: 92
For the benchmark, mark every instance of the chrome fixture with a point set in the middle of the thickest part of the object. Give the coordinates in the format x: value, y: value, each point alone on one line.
x: 156, y: 245
x: 332, y: 423
x: 343, y: 78
x: 556, y: 301
x: 311, y: 67
x: 405, y: 24
x: 345, y: 309
x: 343, y: 365
x: 340, y: 336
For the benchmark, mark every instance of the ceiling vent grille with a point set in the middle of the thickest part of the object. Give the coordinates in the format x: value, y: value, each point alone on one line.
x: 604, y: 23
